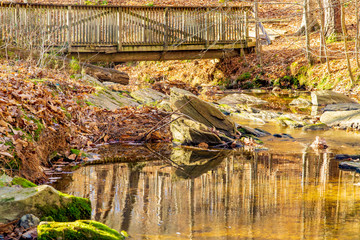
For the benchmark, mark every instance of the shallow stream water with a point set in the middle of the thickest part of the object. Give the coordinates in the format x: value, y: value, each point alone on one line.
x: 284, y: 191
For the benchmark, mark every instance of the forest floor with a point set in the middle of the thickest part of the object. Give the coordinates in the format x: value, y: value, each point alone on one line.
x: 283, y: 62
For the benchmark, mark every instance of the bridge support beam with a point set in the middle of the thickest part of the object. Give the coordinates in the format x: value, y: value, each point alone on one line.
x: 154, y: 56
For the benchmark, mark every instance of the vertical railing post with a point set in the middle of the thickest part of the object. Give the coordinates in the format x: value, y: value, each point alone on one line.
x: 166, y: 27
x: 120, y: 28
x: 69, y: 26
x: 17, y: 23
x: 207, y: 12
x: 246, y: 28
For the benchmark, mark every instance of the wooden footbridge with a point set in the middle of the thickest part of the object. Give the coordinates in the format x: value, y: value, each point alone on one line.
x: 125, y: 33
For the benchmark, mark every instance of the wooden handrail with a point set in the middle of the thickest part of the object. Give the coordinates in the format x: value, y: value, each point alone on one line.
x: 98, y: 27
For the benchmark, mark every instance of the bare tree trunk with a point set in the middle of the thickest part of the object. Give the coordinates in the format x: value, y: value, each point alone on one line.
x: 307, y: 34
x: 322, y: 38
x: 357, y: 34
x: 345, y: 44
x: 333, y: 27
x: 312, y: 22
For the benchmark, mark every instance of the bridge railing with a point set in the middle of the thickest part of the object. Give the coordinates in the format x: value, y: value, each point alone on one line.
x: 86, y: 28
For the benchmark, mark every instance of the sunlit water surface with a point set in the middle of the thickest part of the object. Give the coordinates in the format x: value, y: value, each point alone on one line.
x: 287, y: 190
x: 225, y: 195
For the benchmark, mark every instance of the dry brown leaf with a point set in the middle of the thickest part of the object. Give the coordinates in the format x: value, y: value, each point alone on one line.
x: 6, y: 154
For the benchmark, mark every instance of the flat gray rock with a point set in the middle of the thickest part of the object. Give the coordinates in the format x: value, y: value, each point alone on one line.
x: 148, y: 95
x: 236, y: 98
x: 342, y: 119
x: 326, y: 97
x: 111, y: 100
x: 342, y: 107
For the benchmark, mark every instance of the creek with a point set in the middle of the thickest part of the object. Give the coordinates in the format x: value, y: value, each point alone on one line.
x: 286, y: 190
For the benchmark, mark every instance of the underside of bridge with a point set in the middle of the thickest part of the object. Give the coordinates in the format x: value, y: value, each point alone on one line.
x: 139, y: 55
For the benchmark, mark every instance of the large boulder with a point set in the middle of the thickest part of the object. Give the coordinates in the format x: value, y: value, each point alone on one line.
x: 186, y: 131
x: 326, y: 97
x: 201, y: 111
x: 148, y: 95
x: 42, y: 201
x: 82, y: 229
x: 342, y: 119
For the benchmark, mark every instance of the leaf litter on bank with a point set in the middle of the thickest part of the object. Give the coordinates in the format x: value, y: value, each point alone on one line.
x: 38, y: 105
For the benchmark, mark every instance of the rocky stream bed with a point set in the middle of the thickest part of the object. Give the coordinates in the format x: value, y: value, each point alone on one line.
x: 28, y: 211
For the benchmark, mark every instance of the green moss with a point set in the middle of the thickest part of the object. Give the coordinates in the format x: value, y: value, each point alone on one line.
x: 22, y: 182
x: 78, y: 208
x: 244, y: 76
x: 83, y: 229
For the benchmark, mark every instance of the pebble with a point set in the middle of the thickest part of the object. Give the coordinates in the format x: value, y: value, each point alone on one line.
x: 28, y: 221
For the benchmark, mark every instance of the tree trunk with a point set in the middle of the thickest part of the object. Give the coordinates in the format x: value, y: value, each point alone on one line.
x: 332, y: 24
x: 313, y: 24
x: 342, y: 24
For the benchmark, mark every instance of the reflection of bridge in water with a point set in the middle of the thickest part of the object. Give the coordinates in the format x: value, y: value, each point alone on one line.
x: 124, y: 33
x: 245, y: 195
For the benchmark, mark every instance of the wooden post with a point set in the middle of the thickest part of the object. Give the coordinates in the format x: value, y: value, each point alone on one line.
x: 120, y: 29
x: 246, y: 29
x: 17, y: 27
x: 207, y: 27
x: 69, y: 26
x: 166, y: 27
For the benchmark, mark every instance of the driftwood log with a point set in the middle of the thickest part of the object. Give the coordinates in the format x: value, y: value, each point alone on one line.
x: 106, y: 74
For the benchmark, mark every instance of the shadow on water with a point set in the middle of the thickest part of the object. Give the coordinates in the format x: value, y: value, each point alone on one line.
x: 240, y: 194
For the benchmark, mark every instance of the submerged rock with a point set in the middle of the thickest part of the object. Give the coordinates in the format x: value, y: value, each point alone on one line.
x: 201, y: 111
x: 326, y: 97
x: 236, y: 98
x: 81, y: 229
x: 41, y: 201
x: 300, y: 102
x: 286, y: 121
x: 316, y: 127
x: 342, y: 119
x: 148, y: 95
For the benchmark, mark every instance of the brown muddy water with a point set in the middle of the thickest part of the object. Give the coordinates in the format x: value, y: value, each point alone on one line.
x: 286, y: 190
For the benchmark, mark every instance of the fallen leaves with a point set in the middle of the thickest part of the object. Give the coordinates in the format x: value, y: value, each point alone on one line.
x: 34, y: 111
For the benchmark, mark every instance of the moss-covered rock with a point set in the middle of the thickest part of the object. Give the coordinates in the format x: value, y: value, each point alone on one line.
x: 42, y: 201
x: 22, y: 182
x: 288, y: 122
x: 82, y: 229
